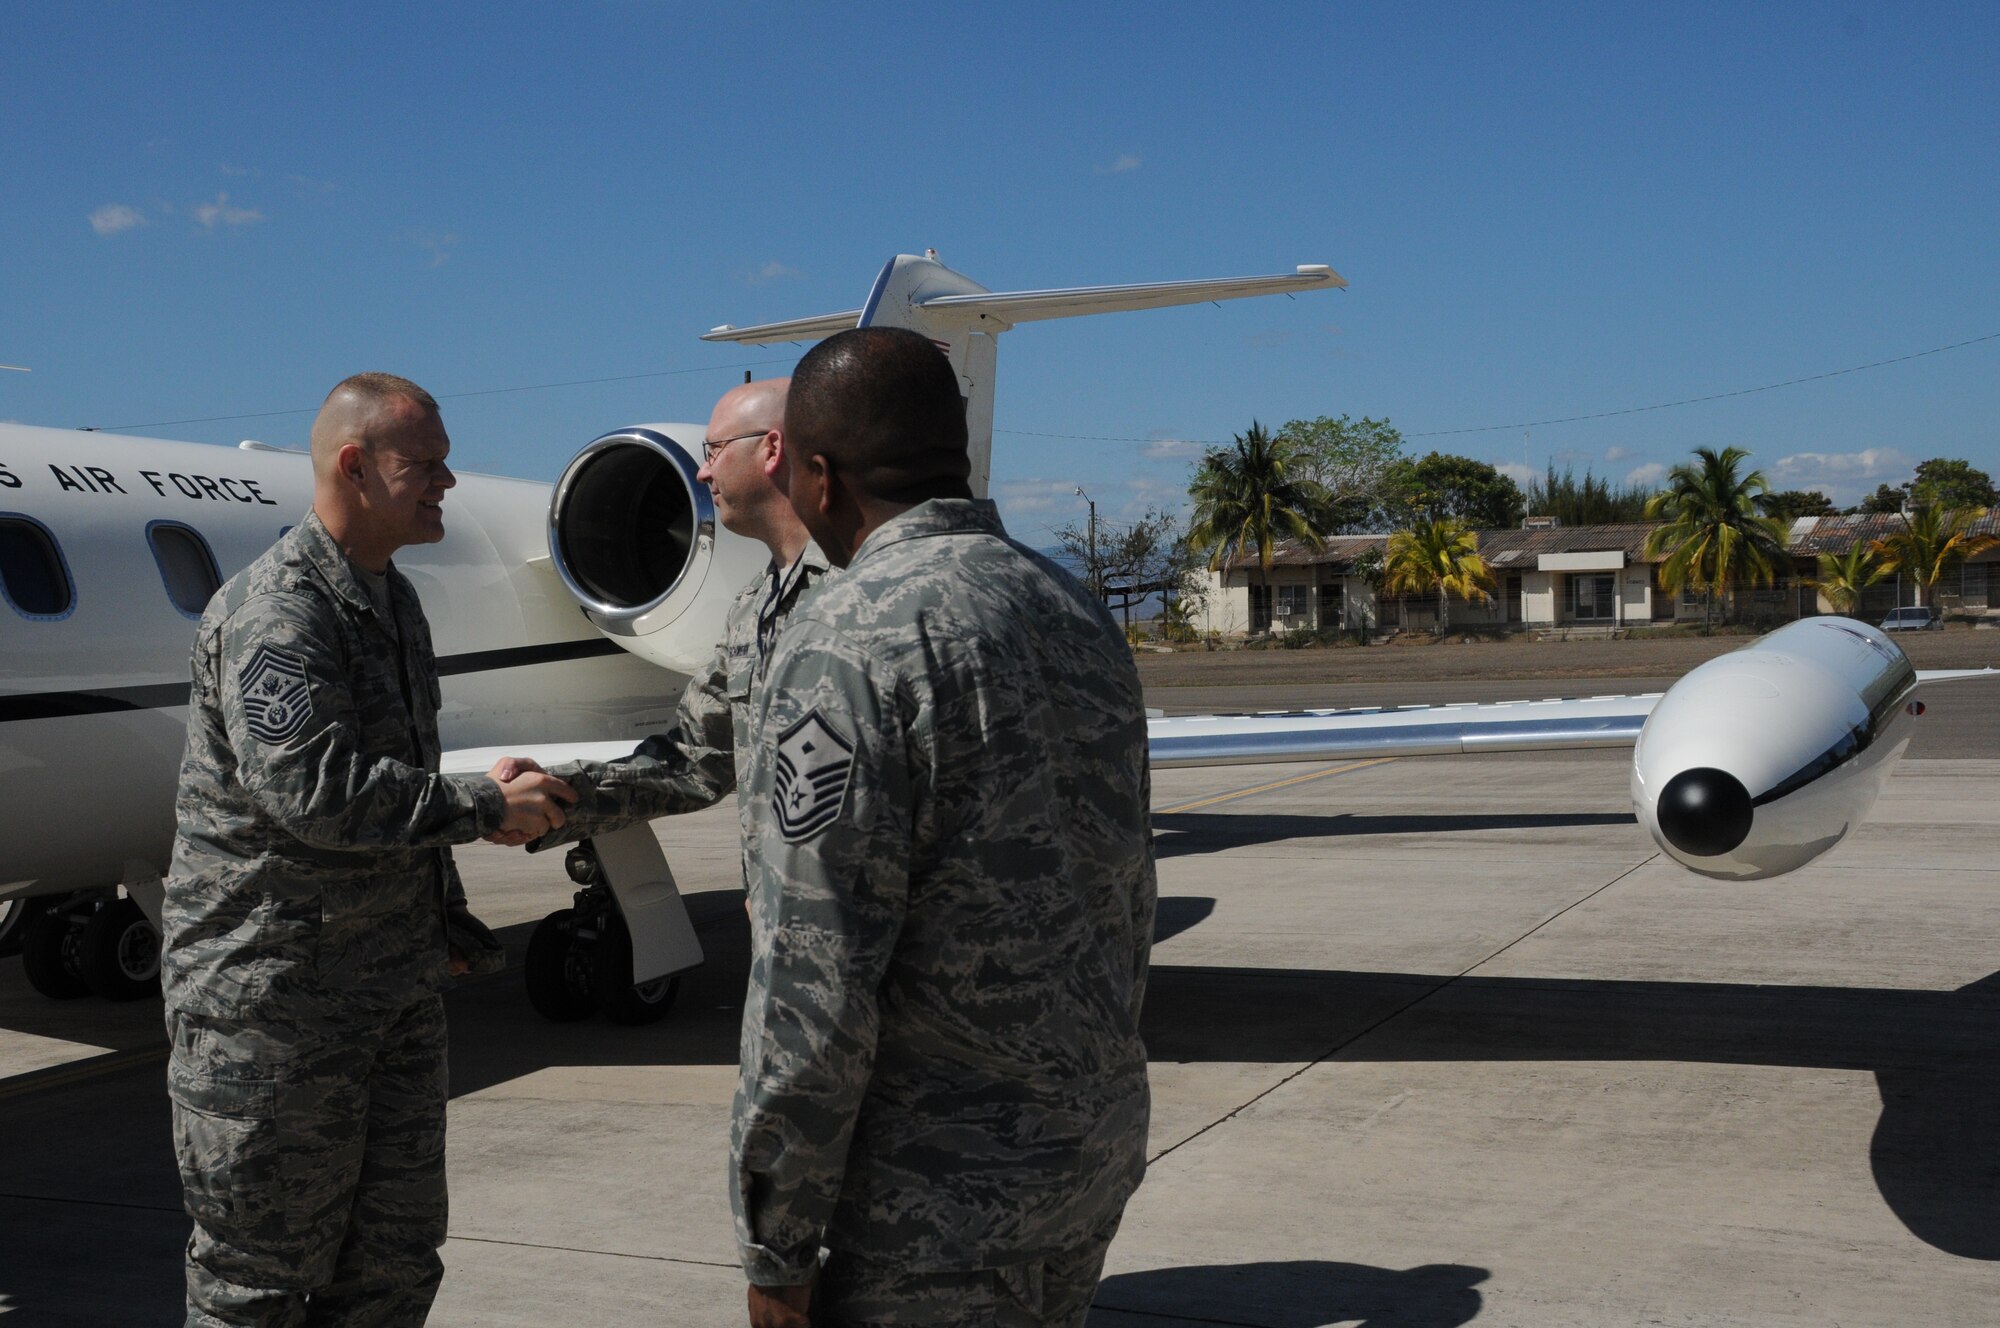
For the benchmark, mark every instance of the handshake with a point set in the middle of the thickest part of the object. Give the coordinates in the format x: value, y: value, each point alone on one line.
x: 535, y: 801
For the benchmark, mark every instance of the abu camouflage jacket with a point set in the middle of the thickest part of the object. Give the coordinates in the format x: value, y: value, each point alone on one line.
x: 952, y: 893
x: 311, y: 869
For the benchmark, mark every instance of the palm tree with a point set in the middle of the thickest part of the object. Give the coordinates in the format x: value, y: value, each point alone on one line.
x: 1843, y: 576
x: 1441, y: 556
x: 1249, y: 496
x: 1713, y: 535
x: 1933, y: 540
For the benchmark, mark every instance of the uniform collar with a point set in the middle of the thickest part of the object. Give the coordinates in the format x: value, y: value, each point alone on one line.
x: 312, y: 541
x: 935, y: 516
x: 810, y: 565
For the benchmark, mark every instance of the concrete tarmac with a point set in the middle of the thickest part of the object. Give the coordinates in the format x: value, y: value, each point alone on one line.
x: 1434, y: 1041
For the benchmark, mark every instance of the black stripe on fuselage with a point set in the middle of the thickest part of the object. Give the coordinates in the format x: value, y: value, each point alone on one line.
x: 166, y: 695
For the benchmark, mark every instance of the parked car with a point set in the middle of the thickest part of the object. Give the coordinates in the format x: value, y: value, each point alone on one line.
x: 1910, y: 618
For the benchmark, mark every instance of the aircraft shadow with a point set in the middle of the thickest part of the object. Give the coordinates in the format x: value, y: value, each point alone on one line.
x: 1177, y: 834
x: 1303, y: 1293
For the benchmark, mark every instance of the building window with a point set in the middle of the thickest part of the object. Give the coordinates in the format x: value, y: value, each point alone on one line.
x: 1332, y: 604
x: 32, y: 572
x: 186, y: 566
x: 1291, y: 606
x: 1591, y: 598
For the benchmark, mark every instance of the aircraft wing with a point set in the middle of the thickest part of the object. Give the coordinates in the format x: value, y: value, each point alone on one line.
x: 795, y: 329
x: 1327, y: 735
x: 1953, y: 675
x: 1312, y: 735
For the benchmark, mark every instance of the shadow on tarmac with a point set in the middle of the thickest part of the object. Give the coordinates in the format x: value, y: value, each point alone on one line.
x: 68, y: 1183
x: 1177, y: 834
x: 1303, y: 1293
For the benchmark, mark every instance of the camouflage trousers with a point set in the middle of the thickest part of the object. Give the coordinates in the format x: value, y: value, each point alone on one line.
x: 856, y: 1292
x: 312, y: 1163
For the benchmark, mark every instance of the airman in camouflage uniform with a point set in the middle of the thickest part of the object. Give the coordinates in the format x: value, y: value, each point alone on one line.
x: 942, y: 1082
x: 706, y: 754
x: 313, y: 911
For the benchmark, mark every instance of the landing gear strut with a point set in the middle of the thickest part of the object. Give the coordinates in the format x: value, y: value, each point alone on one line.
x: 580, y: 958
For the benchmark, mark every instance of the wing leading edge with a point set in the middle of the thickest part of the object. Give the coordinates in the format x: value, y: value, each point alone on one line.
x: 1328, y: 735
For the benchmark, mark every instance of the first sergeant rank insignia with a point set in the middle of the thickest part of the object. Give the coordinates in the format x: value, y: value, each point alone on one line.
x: 814, y: 763
x: 276, y: 699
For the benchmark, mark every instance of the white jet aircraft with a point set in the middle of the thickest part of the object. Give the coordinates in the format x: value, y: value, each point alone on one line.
x: 1752, y: 765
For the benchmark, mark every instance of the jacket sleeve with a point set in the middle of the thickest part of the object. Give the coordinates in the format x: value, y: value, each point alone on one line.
x: 831, y: 812
x: 689, y: 767
x: 291, y: 717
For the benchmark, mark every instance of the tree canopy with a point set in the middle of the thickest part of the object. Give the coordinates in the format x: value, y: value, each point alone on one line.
x: 1949, y: 483
x: 1788, y: 505
x: 1933, y: 540
x: 1440, y: 557
x: 1442, y: 487
x: 1250, y: 495
x: 1589, y: 501
x: 1713, y: 535
x: 1352, y: 461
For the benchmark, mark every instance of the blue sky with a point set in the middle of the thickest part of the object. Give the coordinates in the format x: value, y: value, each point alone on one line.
x: 1544, y: 211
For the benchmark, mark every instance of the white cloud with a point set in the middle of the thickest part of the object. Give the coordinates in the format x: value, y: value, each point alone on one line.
x: 437, y: 244
x: 1845, y: 477
x: 1517, y: 472
x: 223, y: 212
x: 1649, y: 474
x: 115, y: 217
x: 1125, y: 162
x: 1171, y: 449
x: 1617, y: 453
x: 773, y: 271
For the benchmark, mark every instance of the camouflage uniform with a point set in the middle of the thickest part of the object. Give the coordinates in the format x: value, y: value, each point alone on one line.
x: 952, y: 894
x: 305, y: 947
x: 706, y: 754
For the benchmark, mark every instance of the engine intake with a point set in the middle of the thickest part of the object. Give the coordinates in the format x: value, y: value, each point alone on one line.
x: 627, y: 522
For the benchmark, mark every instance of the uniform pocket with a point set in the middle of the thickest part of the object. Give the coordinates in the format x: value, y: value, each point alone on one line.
x: 231, y: 1159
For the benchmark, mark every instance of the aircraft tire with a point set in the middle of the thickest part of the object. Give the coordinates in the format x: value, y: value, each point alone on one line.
x: 623, y: 1001
x: 118, y: 952
x: 558, y: 984
x: 49, y: 957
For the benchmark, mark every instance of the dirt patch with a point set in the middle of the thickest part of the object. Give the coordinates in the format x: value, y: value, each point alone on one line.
x: 1452, y: 658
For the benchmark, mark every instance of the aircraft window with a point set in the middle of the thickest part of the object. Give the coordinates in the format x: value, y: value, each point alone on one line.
x: 32, y: 573
x: 186, y: 566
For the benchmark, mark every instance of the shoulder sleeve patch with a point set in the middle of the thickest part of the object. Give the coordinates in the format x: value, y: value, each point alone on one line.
x: 813, y: 768
x: 277, y: 701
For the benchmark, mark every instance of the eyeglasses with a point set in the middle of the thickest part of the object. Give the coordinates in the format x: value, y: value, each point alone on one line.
x: 710, y: 446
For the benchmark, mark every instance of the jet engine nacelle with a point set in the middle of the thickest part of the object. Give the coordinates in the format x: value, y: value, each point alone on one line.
x: 1759, y: 761
x: 633, y: 535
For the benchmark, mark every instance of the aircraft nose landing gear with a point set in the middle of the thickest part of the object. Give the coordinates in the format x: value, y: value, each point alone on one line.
x: 580, y: 958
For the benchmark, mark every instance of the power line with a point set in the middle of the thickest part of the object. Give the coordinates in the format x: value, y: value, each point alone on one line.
x: 451, y: 396
x: 1565, y: 419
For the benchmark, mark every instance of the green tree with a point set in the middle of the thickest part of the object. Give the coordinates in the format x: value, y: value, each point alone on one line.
x: 1886, y: 499
x: 1587, y: 502
x: 1351, y: 460
x: 1438, y: 557
x: 1791, y: 504
x: 1441, y: 487
x: 1843, y: 576
x: 1948, y: 483
x: 1933, y: 540
x: 1713, y: 535
x: 1249, y: 496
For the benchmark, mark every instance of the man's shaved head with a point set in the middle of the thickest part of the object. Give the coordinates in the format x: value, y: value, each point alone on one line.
x: 361, y: 409
x: 882, y: 405
x: 759, y: 405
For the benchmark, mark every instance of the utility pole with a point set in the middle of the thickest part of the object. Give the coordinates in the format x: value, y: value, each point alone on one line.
x: 1092, y: 566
